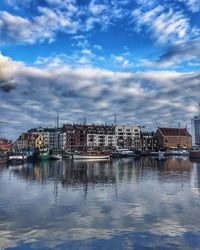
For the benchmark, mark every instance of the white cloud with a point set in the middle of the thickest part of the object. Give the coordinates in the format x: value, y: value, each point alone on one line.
x: 194, y: 5
x: 64, y: 89
x: 98, y: 47
x: 123, y: 61
x: 164, y: 23
x: 87, y: 52
x: 15, y: 29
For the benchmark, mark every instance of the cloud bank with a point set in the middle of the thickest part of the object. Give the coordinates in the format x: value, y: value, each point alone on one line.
x: 148, y: 98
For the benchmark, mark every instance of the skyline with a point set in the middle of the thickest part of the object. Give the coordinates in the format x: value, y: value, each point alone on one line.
x: 137, y: 59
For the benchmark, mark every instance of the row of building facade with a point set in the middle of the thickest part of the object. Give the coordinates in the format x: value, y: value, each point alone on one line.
x: 80, y: 137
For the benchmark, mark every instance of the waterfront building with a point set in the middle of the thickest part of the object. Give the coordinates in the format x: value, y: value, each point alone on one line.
x: 44, y: 132
x: 77, y: 136
x: 51, y: 136
x: 128, y: 136
x: 173, y: 138
x: 5, y: 145
x: 82, y: 136
x: 28, y: 142
x: 101, y: 136
x: 196, y: 130
x: 62, y: 140
x: 148, y: 141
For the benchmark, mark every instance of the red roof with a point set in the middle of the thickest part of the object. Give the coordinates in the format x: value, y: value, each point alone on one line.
x: 174, y: 131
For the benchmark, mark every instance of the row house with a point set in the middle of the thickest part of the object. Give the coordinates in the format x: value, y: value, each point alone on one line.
x: 173, y: 138
x: 80, y: 136
x: 51, y: 136
x: 74, y: 136
x: 28, y: 142
x: 148, y: 141
x: 128, y: 136
x: 101, y: 136
x: 44, y: 132
x: 77, y: 136
x: 5, y: 145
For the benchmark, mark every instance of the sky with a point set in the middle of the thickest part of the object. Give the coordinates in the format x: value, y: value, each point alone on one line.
x: 138, y: 59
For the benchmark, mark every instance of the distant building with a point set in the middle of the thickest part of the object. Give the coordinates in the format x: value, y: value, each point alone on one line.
x: 196, y: 130
x: 148, y: 141
x: 5, y: 145
x: 173, y: 138
x: 82, y: 136
x: 77, y: 136
x: 50, y: 135
x: 101, y: 136
x: 28, y: 142
x: 128, y: 136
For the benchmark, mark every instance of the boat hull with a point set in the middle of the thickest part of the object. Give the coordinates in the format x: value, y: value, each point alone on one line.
x: 195, y: 154
x: 43, y: 157
x: 55, y: 157
x: 17, y: 159
x: 90, y: 157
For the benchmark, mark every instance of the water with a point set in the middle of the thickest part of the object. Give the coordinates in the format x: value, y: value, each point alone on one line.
x: 123, y: 204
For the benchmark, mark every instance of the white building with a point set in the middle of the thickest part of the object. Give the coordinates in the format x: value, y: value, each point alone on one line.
x: 196, y: 130
x: 101, y: 136
x: 50, y: 135
x: 62, y: 140
x: 128, y: 136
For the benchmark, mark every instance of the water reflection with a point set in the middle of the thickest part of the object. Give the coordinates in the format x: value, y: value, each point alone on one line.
x: 116, y: 171
x: 101, y: 205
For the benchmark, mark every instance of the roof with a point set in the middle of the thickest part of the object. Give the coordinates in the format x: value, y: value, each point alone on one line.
x: 174, y: 131
x: 28, y: 136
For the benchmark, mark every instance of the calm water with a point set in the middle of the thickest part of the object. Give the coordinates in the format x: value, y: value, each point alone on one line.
x: 123, y: 204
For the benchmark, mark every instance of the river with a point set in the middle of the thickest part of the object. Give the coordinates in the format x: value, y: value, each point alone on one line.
x: 145, y: 203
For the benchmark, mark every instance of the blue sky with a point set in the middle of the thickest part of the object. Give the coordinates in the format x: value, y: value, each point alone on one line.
x: 139, y: 59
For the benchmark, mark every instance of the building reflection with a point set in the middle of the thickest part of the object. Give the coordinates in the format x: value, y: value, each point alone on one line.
x: 196, y: 176
x: 128, y: 170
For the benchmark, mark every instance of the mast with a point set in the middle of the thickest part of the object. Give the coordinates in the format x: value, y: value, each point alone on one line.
x: 57, y: 121
x: 115, y: 120
x: 179, y: 134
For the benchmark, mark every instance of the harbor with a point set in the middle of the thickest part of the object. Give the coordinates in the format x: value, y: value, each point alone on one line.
x: 84, y: 204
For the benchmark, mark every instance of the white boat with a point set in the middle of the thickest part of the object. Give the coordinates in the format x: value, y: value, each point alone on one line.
x: 123, y: 152
x: 17, y: 158
x: 55, y: 157
x: 181, y: 152
x: 91, y: 155
x: 158, y: 153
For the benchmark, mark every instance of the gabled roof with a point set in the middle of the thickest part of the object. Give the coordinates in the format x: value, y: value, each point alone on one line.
x: 28, y: 136
x: 174, y: 131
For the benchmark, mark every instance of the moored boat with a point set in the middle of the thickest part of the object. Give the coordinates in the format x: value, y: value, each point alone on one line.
x: 43, y: 154
x: 158, y: 153
x: 123, y: 152
x: 181, y: 152
x: 195, y: 154
x: 91, y: 155
x: 55, y: 157
x: 3, y: 159
x: 16, y: 158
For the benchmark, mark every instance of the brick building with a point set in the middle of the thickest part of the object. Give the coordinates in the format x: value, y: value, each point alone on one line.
x: 77, y: 136
x: 173, y: 138
x: 5, y: 145
x: 148, y: 141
